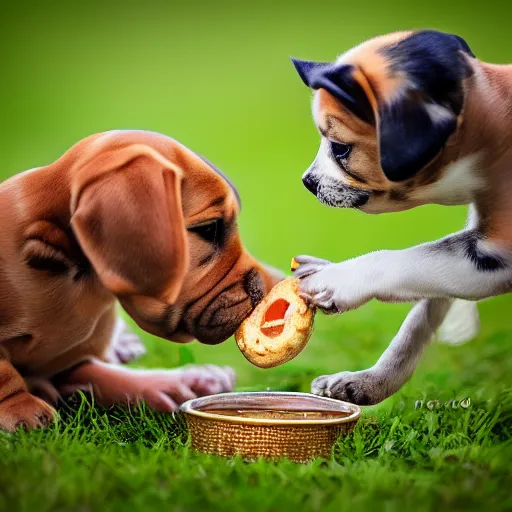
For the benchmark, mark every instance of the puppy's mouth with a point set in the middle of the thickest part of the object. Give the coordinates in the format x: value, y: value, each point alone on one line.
x: 215, y: 324
x: 180, y: 336
x: 223, y: 314
x: 342, y: 196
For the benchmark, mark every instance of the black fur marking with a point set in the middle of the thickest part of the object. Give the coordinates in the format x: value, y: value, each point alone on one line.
x: 305, y: 68
x: 338, y: 80
x: 409, y: 140
x: 466, y: 244
x: 464, y: 46
x: 432, y: 60
x: 484, y: 262
x: 409, y: 137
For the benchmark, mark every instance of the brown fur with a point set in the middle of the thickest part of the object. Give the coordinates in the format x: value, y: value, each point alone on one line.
x: 372, y: 70
x: 108, y: 221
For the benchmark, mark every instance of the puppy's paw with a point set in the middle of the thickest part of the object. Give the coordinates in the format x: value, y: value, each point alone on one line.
x: 208, y: 379
x: 332, y: 287
x: 308, y: 265
x: 26, y: 411
x: 125, y: 345
x: 360, y: 388
x: 165, y: 390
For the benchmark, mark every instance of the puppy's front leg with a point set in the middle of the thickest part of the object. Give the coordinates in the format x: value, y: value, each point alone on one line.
x: 162, y: 390
x: 395, y: 366
x: 464, y: 265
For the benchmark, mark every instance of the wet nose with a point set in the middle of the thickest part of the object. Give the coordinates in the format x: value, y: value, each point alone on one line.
x: 310, y: 182
x: 260, y: 280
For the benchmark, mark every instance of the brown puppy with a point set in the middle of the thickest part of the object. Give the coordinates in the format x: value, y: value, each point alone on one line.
x: 126, y: 216
x: 409, y: 119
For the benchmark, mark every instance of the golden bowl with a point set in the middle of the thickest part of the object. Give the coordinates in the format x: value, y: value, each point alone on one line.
x: 272, y: 425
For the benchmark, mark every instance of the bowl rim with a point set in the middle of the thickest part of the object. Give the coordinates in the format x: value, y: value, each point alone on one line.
x: 189, y: 407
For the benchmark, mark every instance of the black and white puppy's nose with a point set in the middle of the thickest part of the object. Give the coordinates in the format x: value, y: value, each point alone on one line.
x: 310, y: 182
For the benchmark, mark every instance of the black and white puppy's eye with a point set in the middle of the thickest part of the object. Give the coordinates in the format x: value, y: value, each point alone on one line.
x: 340, y: 151
x: 212, y: 231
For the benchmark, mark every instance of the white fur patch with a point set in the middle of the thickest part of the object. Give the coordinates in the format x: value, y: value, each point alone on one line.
x: 325, y: 165
x: 315, y: 109
x: 438, y: 113
x: 457, y: 185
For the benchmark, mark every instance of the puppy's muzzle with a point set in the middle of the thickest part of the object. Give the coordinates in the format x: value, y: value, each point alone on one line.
x: 360, y: 198
x: 335, y: 193
x: 342, y: 196
x: 223, y: 315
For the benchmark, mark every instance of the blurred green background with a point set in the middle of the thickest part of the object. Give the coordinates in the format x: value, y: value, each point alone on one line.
x: 217, y: 77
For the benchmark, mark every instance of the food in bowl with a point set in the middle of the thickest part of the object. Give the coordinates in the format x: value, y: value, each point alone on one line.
x: 268, y: 424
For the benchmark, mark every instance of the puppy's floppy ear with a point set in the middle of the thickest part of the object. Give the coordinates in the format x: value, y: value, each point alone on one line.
x: 127, y: 216
x: 415, y: 125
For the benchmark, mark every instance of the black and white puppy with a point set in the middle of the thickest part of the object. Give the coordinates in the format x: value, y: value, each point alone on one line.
x: 409, y: 119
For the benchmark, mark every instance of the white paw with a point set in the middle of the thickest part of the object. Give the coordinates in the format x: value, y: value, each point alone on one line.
x: 125, y: 346
x: 332, y: 287
x: 461, y: 323
x: 360, y: 388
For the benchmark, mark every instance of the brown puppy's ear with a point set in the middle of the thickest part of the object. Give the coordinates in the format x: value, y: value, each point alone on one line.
x: 127, y: 216
x: 415, y: 123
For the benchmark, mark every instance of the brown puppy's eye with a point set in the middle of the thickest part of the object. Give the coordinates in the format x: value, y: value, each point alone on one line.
x: 212, y: 231
x: 340, y: 151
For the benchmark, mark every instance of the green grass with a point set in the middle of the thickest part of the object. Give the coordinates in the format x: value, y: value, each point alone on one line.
x: 399, y: 458
x: 216, y: 76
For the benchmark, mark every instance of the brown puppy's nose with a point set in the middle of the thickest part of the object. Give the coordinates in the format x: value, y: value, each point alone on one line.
x: 258, y: 282
x: 254, y: 286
